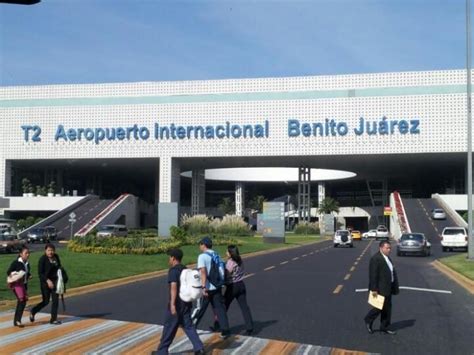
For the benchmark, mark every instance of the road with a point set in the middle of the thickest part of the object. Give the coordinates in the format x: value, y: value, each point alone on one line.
x: 307, y: 295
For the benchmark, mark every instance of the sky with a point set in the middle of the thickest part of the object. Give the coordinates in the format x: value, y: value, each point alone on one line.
x: 97, y: 41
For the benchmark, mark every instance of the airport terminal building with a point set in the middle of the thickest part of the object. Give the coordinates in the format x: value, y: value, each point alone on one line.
x: 396, y: 131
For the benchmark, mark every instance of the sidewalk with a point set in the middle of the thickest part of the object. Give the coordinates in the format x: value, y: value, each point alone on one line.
x: 79, y: 335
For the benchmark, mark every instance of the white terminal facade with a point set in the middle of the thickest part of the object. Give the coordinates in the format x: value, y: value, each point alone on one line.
x: 406, y: 130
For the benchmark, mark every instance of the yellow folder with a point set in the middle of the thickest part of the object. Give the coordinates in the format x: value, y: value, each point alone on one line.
x: 376, y: 301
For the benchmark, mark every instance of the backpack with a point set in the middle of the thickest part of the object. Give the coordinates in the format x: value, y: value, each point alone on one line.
x: 190, y: 288
x: 216, y: 274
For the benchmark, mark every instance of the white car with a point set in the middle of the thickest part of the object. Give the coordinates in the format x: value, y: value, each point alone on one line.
x: 343, y: 237
x: 112, y: 230
x: 370, y: 234
x: 382, y: 233
x: 438, y: 213
x: 454, y: 237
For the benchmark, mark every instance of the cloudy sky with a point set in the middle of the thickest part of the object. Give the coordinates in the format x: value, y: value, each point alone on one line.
x: 91, y: 41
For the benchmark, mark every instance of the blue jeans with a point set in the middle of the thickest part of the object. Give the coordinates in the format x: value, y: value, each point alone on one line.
x: 173, y: 322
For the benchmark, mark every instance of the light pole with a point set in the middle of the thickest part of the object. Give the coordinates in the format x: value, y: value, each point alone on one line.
x: 469, y: 132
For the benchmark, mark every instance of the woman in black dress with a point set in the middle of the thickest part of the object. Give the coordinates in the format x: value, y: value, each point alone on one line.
x: 48, y: 266
x: 20, y: 286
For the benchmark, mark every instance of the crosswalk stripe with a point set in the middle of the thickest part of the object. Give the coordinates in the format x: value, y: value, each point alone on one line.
x: 94, y: 341
x: 43, y: 333
x: 53, y: 344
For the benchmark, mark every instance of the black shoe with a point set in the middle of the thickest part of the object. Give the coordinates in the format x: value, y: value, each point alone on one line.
x: 55, y: 322
x: 200, y: 352
x: 387, y: 331
x: 32, y: 317
x: 368, y: 326
x: 18, y: 324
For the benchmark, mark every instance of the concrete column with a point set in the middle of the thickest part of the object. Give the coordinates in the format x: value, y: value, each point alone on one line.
x: 170, y: 179
x: 321, y: 193
x: 5, y: 177
x: 198, y: 191
x: 169, y: 189
x: 239, y: 198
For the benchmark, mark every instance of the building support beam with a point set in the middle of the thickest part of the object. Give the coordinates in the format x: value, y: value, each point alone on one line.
x: 304, y: 194
x: 169, y: 192
x: 198, y: 191
x: 239, y: 198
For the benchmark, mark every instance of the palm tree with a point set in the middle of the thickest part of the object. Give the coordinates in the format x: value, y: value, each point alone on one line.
x: 328, y: 205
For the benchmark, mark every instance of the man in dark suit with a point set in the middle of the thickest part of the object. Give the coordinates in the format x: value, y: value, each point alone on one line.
x: 382, y: 281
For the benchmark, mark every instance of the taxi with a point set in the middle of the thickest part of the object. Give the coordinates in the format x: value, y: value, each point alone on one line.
x: 356, y: 235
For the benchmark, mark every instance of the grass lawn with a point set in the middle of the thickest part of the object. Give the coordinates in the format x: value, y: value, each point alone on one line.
x: 86, y: 269
x: 460, y: 264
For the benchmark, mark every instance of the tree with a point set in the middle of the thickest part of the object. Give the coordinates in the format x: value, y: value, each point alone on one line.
x: 227, y: 206
x: 328, y: 205
x: 256, y: 203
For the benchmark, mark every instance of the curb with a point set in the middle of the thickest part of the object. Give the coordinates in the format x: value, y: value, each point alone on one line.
x: 461, y: 280
x: 136, y: 278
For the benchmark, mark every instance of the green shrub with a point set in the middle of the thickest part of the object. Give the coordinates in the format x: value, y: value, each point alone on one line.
x: 307, y: 228
x: 114, y: 245
x: 178, y: 234
x: 197, y: 224
x: 230, y: 225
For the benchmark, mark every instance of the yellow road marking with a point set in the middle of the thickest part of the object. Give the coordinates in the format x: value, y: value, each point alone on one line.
x: 338, y: 289
x: 269, y: 268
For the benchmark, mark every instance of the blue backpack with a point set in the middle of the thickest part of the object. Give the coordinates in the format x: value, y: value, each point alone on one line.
x: 216, y: 274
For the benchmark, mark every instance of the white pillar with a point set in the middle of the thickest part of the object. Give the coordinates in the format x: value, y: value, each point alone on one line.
x: 5, y: 177
x: 239, y: 198
x: 170, y: 179
x: 198, y: 191
x: 321, y: 193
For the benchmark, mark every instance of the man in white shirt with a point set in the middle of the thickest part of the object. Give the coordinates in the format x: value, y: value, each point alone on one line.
x: 382, y: 281
x: 212, y: 294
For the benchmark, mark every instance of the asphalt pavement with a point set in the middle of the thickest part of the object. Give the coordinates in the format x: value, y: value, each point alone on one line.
x: 308, y: 295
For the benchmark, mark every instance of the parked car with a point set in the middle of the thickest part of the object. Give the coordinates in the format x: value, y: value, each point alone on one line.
x: 382, y: 233
x: 413, y: 243
x: 343, y: 237
x: 438, y: 213
x: 51, y: 232
x: 370, y: 234
x: 356, y: 235
x: 37, y: 235
x: 454, y: 237
x: 9, y: 241
x: 112, y: 230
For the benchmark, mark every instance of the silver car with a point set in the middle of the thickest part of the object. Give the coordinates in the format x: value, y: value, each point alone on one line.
x: 112, y: 230
x: 438, y: 213
x: 413, y: 243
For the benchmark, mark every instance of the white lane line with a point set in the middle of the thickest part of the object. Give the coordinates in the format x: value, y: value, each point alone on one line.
x: 412, y: 289
x: 269, y: 268
x: 284, y: 262
x: 304, y: 255
x: 248, y: 275
x: 311, y: 253
x: 295, y: 258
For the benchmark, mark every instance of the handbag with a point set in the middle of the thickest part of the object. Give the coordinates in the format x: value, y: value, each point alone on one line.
x: 15, y: 276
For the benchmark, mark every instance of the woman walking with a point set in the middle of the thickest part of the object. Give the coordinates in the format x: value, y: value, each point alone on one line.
x: 18, y: 275
x: 48, y: 266
x: 235, y: 286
